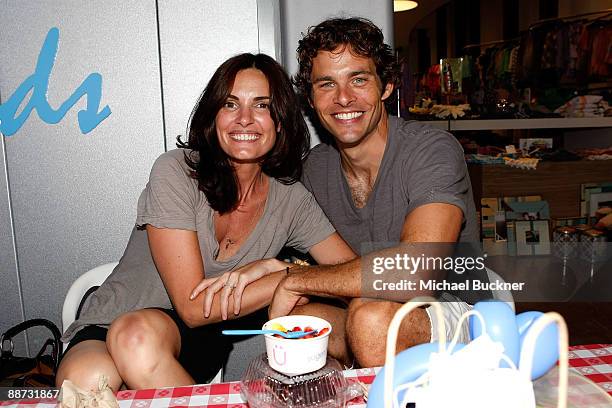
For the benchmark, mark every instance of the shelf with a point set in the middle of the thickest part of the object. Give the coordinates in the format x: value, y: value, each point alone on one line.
x: 557, y: 182
x: 542, y: 123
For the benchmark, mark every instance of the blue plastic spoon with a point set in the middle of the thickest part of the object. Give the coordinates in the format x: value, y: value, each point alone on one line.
x: 288, y: 335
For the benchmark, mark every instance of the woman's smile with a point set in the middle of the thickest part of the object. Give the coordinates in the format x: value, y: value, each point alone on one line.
x: 245, y: 136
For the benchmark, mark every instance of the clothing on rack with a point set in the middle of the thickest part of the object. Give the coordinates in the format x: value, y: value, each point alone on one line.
x: 576, y: 51
x: 555, y: 58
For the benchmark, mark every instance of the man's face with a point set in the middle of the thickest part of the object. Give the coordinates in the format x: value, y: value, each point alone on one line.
x: 347, y: 95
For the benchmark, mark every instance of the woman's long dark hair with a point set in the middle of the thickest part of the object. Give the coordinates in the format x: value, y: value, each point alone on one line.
x: 211, y: 166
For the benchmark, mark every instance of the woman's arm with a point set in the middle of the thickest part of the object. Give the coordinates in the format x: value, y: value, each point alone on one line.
x: 176, y: 254
x: 233, y: 283
x: 332, y: 250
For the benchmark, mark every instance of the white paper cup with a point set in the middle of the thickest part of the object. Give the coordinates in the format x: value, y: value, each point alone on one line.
x: 297, y: 356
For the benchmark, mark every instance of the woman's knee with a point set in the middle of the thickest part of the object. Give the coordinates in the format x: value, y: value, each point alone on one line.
x: 85, y: 363
x: 141, y: 338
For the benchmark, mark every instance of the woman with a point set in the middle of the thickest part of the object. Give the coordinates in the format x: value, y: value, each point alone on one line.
x: 228, y: 201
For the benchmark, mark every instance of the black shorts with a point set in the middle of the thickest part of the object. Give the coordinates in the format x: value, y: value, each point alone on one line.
x: 204, y: 350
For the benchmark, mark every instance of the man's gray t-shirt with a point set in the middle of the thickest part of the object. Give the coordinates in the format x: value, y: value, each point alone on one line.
x: 420, y: 165
x: 172, y: 199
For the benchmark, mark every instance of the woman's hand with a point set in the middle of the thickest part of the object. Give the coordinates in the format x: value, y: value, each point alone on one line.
x: 233, y: 283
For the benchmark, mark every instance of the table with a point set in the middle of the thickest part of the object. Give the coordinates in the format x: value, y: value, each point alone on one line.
x: 593, y: 361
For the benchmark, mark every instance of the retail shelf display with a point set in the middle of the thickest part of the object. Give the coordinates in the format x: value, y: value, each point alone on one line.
x: 539, y: 123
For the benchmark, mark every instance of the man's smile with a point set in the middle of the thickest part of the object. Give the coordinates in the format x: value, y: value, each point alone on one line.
x: 347, y: 115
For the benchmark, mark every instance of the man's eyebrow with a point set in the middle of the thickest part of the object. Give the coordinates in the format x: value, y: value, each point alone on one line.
x: 362, y: 72
x: 322, y: 79
x: 354, y: 73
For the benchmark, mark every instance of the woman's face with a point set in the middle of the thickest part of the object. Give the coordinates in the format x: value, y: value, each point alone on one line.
x: 244, y: 125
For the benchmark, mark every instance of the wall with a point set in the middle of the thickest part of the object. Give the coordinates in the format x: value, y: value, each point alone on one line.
x: 528, y: 13
x: 67, y: 199
x: 491, y: 11
x: 573, y: 7
x: 188, y: 31
x: 405, y: 21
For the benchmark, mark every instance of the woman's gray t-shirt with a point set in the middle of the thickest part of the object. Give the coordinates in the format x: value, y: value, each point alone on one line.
x: 172, y: 199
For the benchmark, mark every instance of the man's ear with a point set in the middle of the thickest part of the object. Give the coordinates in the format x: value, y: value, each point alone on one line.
x: 387, y: 91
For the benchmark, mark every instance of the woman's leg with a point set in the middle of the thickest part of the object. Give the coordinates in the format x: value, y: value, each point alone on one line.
x: 84, y: 363
x: 144, y: 346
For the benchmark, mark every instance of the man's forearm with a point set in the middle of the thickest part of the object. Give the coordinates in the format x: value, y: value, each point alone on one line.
x: 342, y: 280
x: 354, y: 279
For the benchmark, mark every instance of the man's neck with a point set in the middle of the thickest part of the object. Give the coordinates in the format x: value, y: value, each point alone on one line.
x: 363, y: 160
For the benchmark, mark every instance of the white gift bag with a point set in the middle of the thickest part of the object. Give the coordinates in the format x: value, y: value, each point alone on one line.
x: 471, y: 377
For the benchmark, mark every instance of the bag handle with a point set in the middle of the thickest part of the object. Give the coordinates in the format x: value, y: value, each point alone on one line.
x: 528, y: 350
x: 393, y: 332
x: 28, y: 324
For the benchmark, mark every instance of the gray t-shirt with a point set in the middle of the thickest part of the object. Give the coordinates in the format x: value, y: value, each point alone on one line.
x: 420, y: 165
x: 172, y: 199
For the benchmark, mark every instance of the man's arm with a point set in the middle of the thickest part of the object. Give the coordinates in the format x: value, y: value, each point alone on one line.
x: 434, y: 222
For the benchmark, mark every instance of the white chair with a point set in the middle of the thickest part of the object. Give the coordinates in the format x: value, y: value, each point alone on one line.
x: 94, y: 277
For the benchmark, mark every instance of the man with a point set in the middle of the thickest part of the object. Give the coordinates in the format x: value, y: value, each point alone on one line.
x: 385, y: 181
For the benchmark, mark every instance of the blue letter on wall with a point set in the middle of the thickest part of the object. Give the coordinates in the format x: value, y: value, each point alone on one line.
x: 38, y: 83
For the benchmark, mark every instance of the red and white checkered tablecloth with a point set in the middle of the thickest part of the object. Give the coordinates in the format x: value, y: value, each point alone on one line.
x: 225, y: 395
x: 593, y: 361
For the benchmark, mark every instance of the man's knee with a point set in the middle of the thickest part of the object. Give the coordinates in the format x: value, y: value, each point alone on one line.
x: 370, y: 315
x: 368, y: 323
x: 366, y: 329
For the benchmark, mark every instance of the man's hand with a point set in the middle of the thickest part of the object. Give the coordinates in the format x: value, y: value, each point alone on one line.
x: 285, y: 300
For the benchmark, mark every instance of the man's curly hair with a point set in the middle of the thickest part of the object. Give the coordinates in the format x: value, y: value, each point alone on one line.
x: 364, y: 38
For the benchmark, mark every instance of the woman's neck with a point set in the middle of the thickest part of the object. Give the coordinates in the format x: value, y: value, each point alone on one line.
x: 251, y: 182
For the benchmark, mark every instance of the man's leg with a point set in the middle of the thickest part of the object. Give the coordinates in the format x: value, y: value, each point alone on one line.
x: 336, y: 315
x: 367, y: 324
